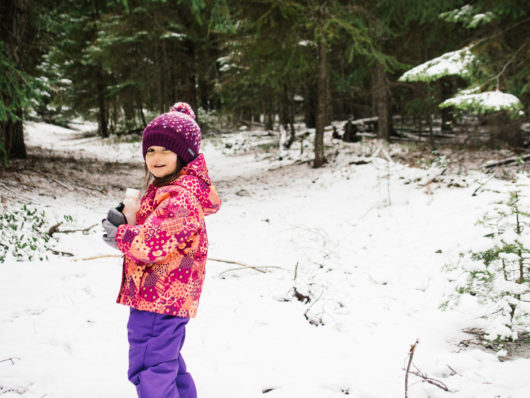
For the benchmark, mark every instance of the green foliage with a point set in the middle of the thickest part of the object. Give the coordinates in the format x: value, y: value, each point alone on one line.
x: 15, y: 84
x: 497, y: 274
x: 24, y: 234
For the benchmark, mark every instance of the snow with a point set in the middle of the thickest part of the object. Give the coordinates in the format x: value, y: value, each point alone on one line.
x: 306, y: 43
x: 469, y: 16
x: 451, y: 63
x: 173, y: 35
x: 489, y: 101
x: 369, y: 244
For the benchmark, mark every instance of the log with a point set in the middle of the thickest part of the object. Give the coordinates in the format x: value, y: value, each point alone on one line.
x: 489, y: 165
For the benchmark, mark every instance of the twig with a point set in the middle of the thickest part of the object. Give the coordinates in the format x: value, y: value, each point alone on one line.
x: 98, y: 257
x: 68, y: 231
x: 481, y: 186
x: 257, y: 268
x: 430, y: 380
x: 12, y: 359
x: 54, y: 228
x: 452, y: 370
x: 504, y: 67
x: 311, y: 306
x: 59, y: 253
x: 411, y: 355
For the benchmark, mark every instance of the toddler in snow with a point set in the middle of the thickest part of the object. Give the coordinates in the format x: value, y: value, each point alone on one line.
x: 165, y: 253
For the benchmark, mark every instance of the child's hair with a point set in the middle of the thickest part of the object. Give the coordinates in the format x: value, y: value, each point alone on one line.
x: 162, y: 181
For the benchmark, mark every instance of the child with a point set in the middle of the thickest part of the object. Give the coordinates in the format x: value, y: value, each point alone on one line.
x: 165, y: 254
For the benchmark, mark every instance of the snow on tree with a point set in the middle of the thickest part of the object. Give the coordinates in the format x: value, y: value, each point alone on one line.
x: 469, y: 16
x: 451, y: 63
x: 480, y: 103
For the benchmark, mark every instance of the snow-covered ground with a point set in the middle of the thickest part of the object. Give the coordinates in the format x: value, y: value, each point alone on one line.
x: 367, y: 243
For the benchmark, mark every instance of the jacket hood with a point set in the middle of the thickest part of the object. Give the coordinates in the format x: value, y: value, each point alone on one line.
x: 194, y: 178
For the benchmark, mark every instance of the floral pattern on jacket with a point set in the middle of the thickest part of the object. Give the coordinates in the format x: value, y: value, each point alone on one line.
x: 165, y: 252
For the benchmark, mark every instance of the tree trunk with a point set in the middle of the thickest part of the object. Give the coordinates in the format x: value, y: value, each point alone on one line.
x: 381, y: 101
x: 102, y: 109
x: 159, y: 87
x: 11, y: 131
x: 189, y: 94
x: 321, y: 105
x: 166, y: 101
x: 309, y: 106
x: 141, y: 110
x: 12, y: 134
x: 445, y: 87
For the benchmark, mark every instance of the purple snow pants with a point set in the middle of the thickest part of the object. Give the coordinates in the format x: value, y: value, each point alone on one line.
x: 156, y: 367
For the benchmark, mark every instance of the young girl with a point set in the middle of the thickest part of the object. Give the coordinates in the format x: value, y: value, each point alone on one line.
x: 165, y: 254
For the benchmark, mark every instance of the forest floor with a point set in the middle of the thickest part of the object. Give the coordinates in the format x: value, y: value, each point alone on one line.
x: 353, y: 256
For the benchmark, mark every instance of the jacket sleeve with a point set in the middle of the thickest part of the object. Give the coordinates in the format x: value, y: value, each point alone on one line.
x: 172, y: 224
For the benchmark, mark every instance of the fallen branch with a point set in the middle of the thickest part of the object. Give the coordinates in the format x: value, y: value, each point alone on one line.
x: 257, y: 268
x: 432, y: 179
x: 489, y: 165
x: 98, y: 257
x: 250, y: 123
x: 54, y: 228
x: 69, y: 231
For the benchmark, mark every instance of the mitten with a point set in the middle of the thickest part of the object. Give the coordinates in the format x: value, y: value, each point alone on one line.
x: 110, y: 233
x: 116, y: 217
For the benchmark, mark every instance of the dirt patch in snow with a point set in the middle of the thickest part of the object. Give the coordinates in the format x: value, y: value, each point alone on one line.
x: 49, y: 173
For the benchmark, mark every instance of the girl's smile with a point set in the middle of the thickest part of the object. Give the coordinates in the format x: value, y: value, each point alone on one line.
x: 160, y: 161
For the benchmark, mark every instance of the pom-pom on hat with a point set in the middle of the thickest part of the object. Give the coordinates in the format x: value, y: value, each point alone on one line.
x: 175, y: 130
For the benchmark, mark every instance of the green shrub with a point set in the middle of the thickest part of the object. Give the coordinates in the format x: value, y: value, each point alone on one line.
x: 498, y: 274
x: 24, y: 234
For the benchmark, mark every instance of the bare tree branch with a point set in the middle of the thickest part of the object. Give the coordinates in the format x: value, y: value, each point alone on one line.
x: 411, y: 355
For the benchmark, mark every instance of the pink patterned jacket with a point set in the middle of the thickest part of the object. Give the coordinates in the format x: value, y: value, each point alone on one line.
x: 165, y: 253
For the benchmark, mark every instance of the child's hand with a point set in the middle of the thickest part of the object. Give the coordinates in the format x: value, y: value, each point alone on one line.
x: 110, y: 233
x: 116, y: 217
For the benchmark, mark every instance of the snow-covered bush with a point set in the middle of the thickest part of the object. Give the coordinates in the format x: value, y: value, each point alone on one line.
x: 210, y: 120
x: 497, y: 274
x: 24, y: 235
x: 485, y: 102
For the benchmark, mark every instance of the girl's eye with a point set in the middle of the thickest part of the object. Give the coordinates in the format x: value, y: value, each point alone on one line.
x: 165, y: 149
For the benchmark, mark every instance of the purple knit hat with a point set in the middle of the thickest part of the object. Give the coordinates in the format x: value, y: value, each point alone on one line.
x: 176, y: 131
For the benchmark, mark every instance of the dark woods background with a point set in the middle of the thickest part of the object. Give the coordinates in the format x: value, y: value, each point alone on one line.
x: 268, y: 62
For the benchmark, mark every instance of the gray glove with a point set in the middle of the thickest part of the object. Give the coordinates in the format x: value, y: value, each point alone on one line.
x: 110, y: 233
x: 116, y: 217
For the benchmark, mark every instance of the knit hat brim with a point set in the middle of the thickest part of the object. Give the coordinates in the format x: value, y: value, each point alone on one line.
x: 159, y: 136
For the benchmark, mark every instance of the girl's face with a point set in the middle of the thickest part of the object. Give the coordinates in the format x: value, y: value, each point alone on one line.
x: 160, y: 161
